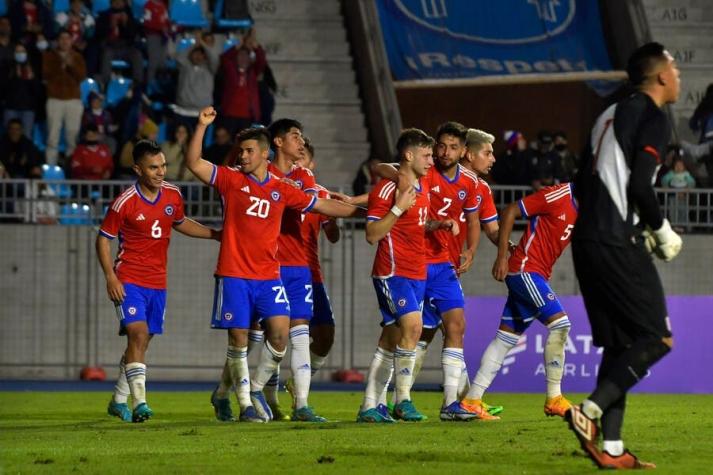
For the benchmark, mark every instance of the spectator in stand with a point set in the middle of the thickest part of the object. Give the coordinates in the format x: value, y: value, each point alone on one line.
x: 157, y: 30
x: 544, y: 165
x: 63, y: 70
x: 7, y: 51
x: 79, y: 22
x: 196, y: 76
x: 19, y: 156
x: 240, y: 68
x: 568, y: 160
x: 116, y: 34
x: 22, y: 91
x: 511, y: 167
x: 175, y: 152
x: 219, y: 151
x: 366, y: 176
x: 96, y: 115
x: 91, y: 159
x: 31, y: 20
x: 679, y: 178
x: 147, y: 130
x: 702, y: 122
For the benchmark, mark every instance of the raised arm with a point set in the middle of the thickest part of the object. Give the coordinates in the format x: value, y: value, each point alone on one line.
x: 114, y: 287
x: 195, y: 229
x: 336, y: 209
x: 500, y: 267
x: 377, y: 229
x: 390, y: 171
x: 202, y: 169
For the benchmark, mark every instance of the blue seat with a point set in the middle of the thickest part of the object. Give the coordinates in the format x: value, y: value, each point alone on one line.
x: 187, y: 13
x: 185, y: 43
x: 230, y: 42
x: 137, y: 8
x: 86, y: 87
x: 99, y: 6
x: 39, y: 137
x: 116, y: 90
x: 60, y: 6
x: 75, y: 214
x: 119, y: 64
x: 54, y: 172
x: 3, y: 7
x: 208, y: 138
x: 162, y: 132
x: 229, y: 23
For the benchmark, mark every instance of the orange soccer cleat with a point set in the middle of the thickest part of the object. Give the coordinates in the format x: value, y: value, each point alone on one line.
x: 625, y: 461
x: 476, y: 406
x: 557, y: 406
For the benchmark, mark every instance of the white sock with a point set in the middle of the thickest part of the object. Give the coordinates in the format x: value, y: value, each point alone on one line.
x: 316, y: 361
x: 226, y: 382
x: 269, y: 361
x: 464, y: 383
x: 554, y: 355
x: 255, y: 339
x: 136, y: 376
x: 591, y: 409
x: 452, y: 361
x: 404, y: 362
x: 377, y: 379
x: 613, y: 447
x: 421, y: 350
x: 121, y: 389
x: 300, y: 364
x: 240, y: 374
x: 491, y: 362
x: 272, y: 387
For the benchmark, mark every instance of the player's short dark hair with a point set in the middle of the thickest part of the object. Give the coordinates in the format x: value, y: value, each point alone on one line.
x: 13, y: 121
x: 280, y: 127
x: 413, y: 138
x: 255, y: 133
x: 643, y: 62
x: 309, y: 146
x: 145, y: 148
x: 456, y: 129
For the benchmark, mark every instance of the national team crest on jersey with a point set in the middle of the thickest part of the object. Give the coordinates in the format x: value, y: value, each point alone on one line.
x: 551, y: 296
x: 299, y: 184
x: 402, y: 302
x: 461, y: 194
x: 168, y: 210
x: 479, y: 199
x: 132, y: 310
x: 275, y: 195
x: 228, y: 316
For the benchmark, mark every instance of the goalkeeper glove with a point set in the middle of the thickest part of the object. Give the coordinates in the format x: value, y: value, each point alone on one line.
x: 664, y: 242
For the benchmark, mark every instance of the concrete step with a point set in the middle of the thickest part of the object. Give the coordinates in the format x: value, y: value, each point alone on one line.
x: 341, y: 134
x: 290, y: 73
x: 330, y: 92
x: 292, y: 39
x: 672, y: 14
x: 266, y: 10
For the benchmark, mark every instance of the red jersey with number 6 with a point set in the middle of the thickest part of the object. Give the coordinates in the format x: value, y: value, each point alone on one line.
x: 551, y: 213
x: 144, y: 231
x: 402, y: 251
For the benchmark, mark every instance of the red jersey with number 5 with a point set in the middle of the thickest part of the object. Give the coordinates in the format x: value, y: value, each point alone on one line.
x: 402, y: 251
x: 551, y: 213
x: 252, y: 213
x: 144, y: 231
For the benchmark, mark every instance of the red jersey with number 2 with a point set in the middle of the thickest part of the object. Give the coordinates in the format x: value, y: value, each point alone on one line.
x: 144, y: 231
x: 402, y: 251
x: 551, y: 212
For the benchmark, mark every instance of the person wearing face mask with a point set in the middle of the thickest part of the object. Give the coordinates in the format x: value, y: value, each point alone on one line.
x: 101, y: 118
x: 91, y: 159
x: 196, y: 76
x: 568, y: 160
x: 23, y: 90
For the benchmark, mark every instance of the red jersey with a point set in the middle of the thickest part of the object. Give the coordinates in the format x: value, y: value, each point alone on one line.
x: 252, y: 212
x: 488, y: 213
x: 155, y: 17
x: 449, y: 199
x: 402, y: 251
x: 91, y: 162
x: 311, y: 226
x: 144, y: 231
x: 290, y: 246
x: 552, y: 212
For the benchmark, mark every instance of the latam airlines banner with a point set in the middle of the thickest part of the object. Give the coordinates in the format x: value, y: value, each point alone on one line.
x: 685, y: 370
x: 435, y: 39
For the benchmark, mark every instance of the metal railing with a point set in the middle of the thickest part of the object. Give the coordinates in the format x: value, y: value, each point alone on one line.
x: 81, y: 202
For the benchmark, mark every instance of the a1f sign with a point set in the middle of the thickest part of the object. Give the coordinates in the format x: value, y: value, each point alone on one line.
x: 684, y: 370
x: 432, y: 39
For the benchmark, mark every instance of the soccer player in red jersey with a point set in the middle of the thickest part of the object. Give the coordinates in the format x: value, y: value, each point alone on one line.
x: 142, y: 218
x: 248, y: 285
x: 397, y: 220
x: 551, y: 214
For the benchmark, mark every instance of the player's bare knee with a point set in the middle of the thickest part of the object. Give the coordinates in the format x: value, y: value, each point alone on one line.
x: 238, y: 337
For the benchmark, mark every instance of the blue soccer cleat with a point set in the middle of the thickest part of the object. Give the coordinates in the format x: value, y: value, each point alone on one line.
x: 306, y: 414
x: 142, y: 413
x: 249, y: 414
x: 261, y: 405
x: 223, y: 411
x: 406, y: 411
x: 375, y: 416
x: 456, y: 412
x: 120, y: 410
x: 385, y: 412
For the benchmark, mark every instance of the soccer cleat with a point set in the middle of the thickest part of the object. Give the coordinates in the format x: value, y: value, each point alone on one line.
x: 306, y: 414
x: 261, y: 406
x: 557, y: 406
x: 385, y: 412
x: 141, y: 413
x: 625, y: 461
x: 477, y: 407
x: 277, y: 413
x: 492, y: 410
x: 222, y: 409
x: 375, y: 415
x: 406, y: 411
x: 120, y: 410
x: 586, y: 431
x: 249, y: 414
x: 456, y: 412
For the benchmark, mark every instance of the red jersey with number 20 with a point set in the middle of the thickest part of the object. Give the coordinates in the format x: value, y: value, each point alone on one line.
x: 144, y: 231
x: 252, y: 213
x: 402, y: 251
x: 551, y: 212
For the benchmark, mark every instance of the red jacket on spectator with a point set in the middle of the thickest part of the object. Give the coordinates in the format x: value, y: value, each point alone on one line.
x: 156, y: 17
x: 92, y: 162
x: 240, y: 95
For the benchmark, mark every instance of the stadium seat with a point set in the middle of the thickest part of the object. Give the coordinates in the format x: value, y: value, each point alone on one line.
x: 119, y: 64
x: 3, y: 7
x: 87, y: 86
x: 208, y: 138
x: 230, y: 23
x: 75, y: 214
x: 137, y: 8
x: 60, y: 6
x: 187, y: 13
x: 230, y: 42
x: 116, y: 90
x: 162, y: 132
x: 100, y: 5
x: 55, y: 172
x: 185, y: 43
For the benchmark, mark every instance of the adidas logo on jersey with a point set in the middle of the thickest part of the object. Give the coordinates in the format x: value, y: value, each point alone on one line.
x: 563, y: 217
x: 140, y: 217
x: 436, y: 189
x: 246, y: 189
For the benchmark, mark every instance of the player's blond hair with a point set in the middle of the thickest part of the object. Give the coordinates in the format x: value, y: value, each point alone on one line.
x: 476, y: 138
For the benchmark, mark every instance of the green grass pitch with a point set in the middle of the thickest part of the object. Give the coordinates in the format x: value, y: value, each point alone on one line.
x: 63, y: 432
